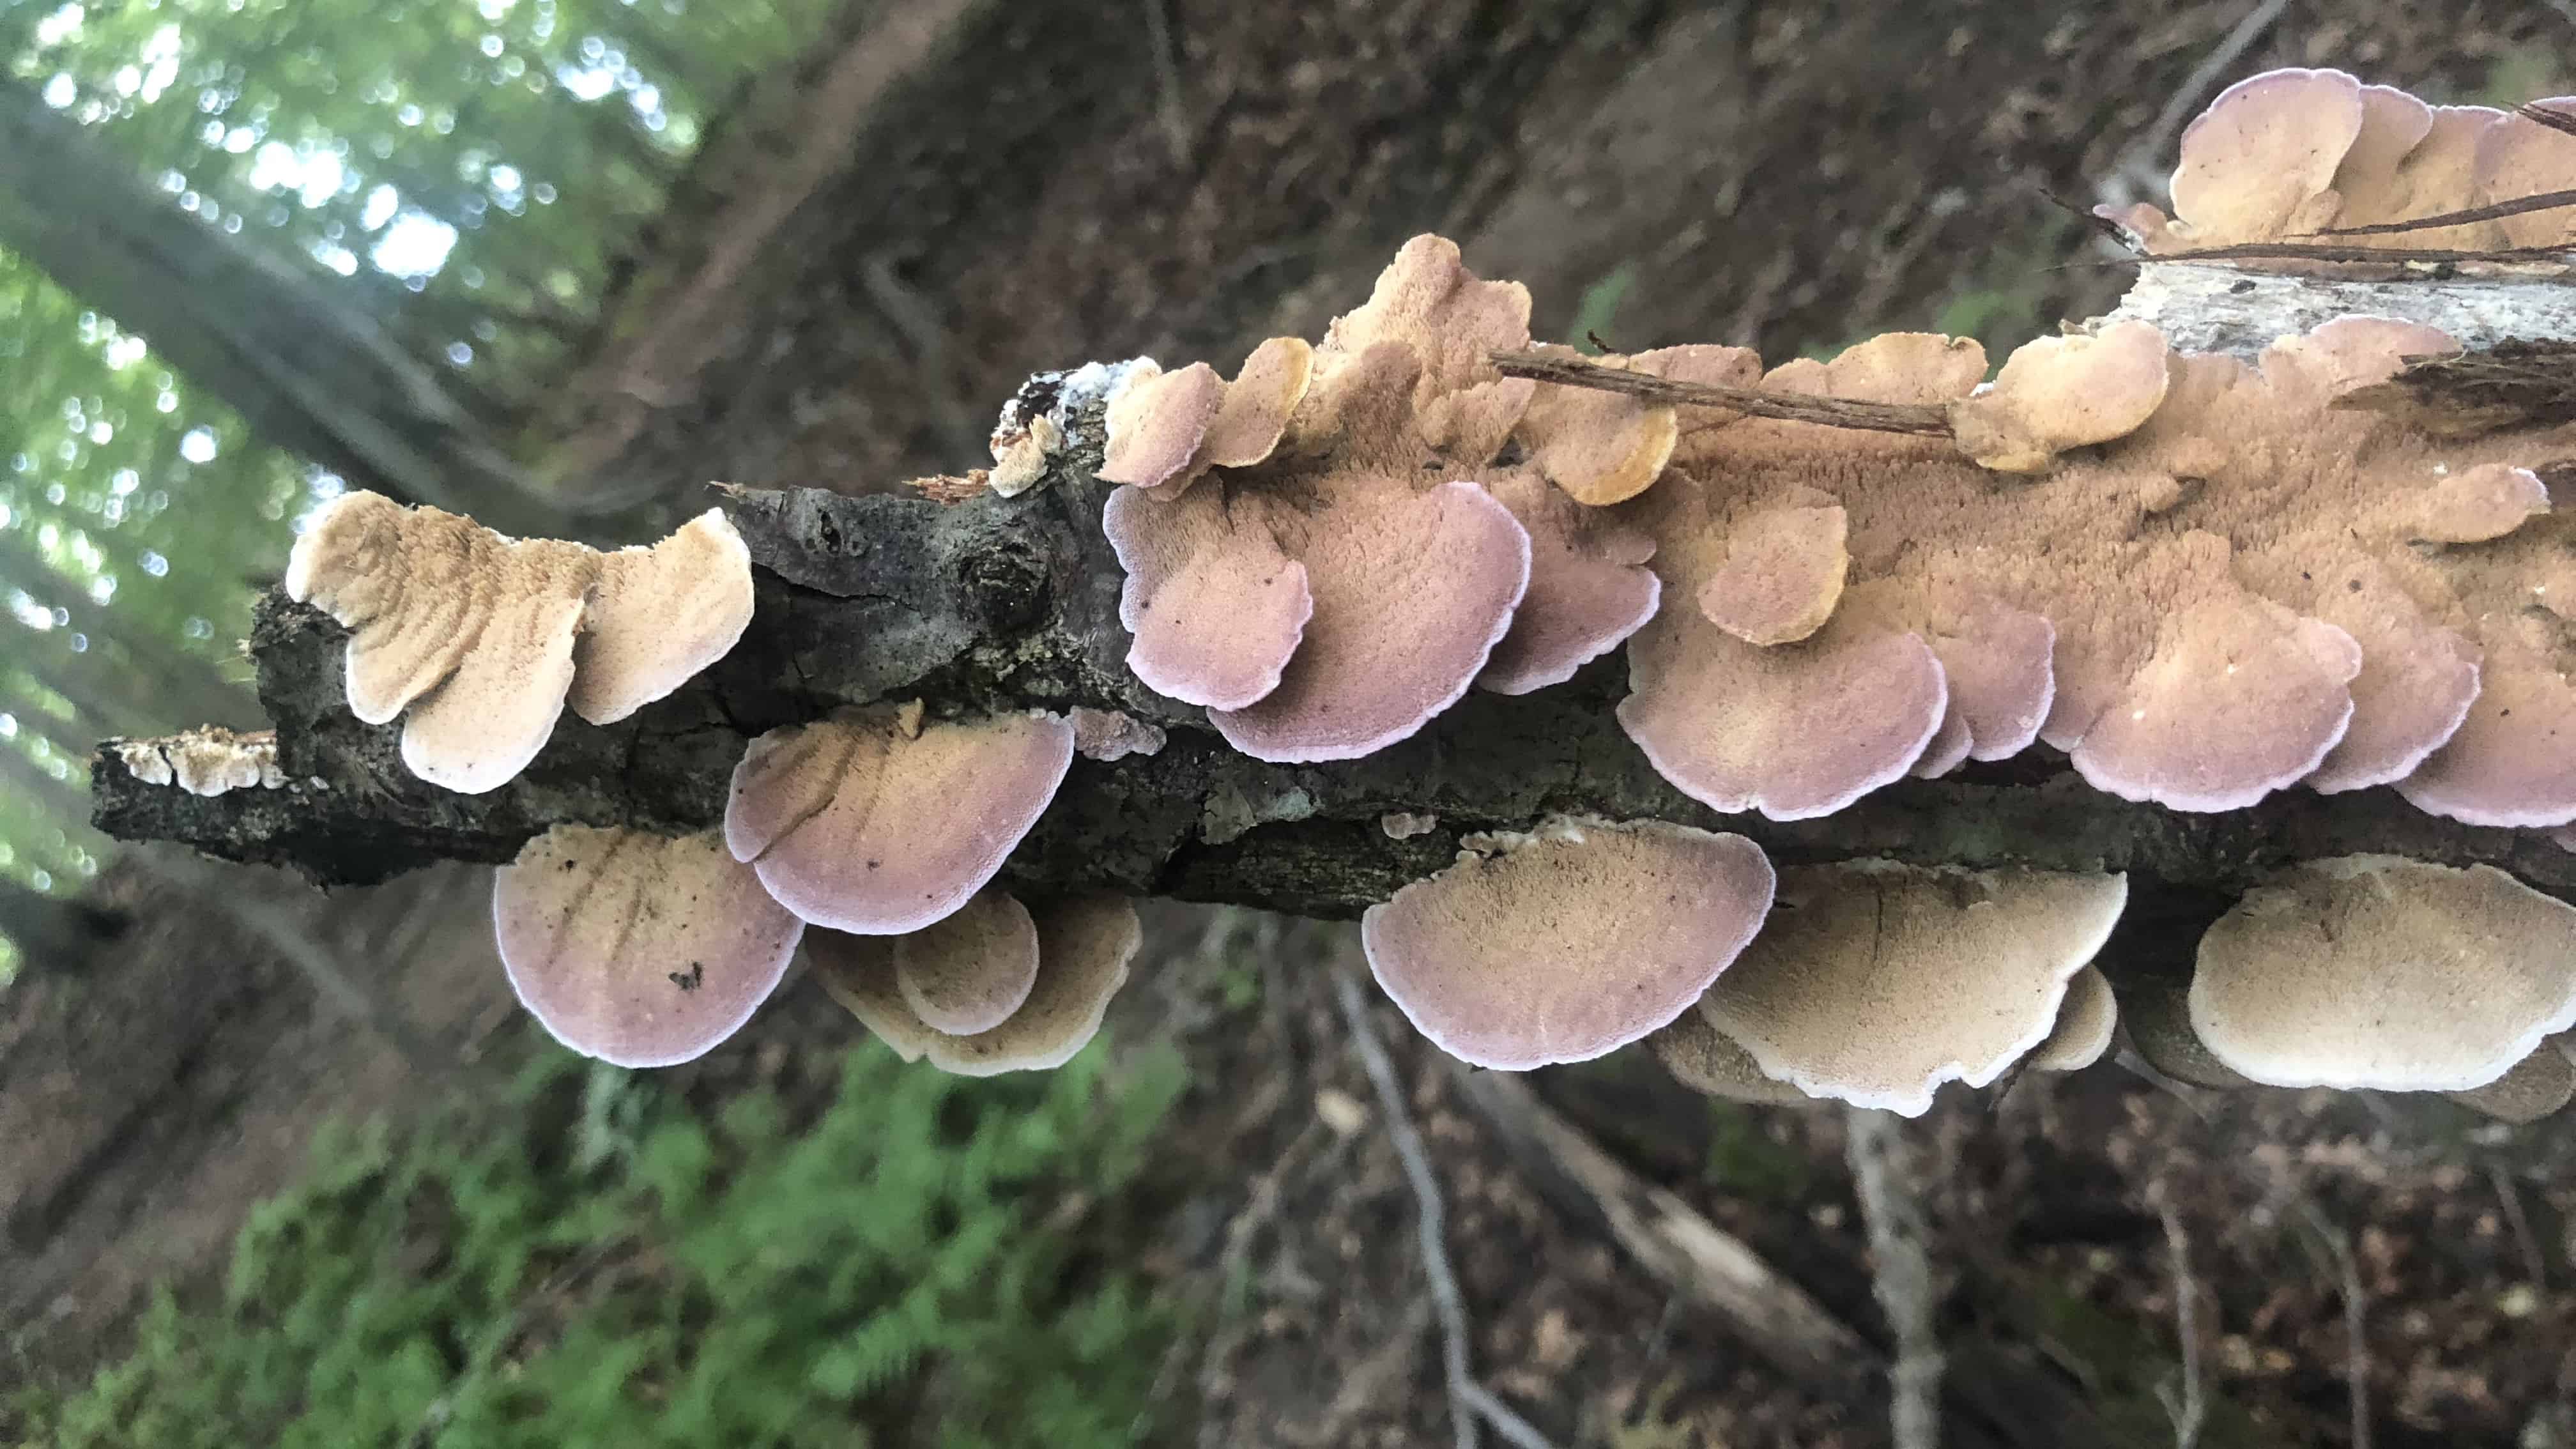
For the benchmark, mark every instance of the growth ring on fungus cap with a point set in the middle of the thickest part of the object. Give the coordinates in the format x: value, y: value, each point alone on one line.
x: 1571, y: 942
x: 2375, y: 971
x: 639, y: 949
x: 856, y: 825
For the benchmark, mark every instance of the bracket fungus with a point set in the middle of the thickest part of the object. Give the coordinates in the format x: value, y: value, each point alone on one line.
x: 2316, y: 156
x: 2061, y: 393
x: 1168, y: 428
x: 1876, y: 982
x: 205, y: 761
x: 2086, y: 1022
x: 1710, y: 1062
x: 1083, y: 946
x: 857, y: 824
x: 483, y: 639
x: 2374, y: 971
x: 1569, y: 943
x: 639, y: 949
x: 968, y: 971
x: 1327, y: 597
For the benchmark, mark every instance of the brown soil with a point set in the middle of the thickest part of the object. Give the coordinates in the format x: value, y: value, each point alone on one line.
x: 1042, y: 191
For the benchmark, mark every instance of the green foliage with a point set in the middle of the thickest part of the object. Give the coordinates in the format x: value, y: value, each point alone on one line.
x: 1599, y: 310
x: 2007, y: 305
x: 1745, y: 1161
x: 618, y: 1269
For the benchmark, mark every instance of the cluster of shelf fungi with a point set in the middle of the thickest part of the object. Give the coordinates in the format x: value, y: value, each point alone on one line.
x: 2203, y: 577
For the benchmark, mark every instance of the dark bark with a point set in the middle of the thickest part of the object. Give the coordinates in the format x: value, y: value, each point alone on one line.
x: 309, y: 370
x: 1008, y: 604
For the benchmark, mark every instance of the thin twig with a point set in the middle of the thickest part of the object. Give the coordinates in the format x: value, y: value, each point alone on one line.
x: 2390, y: 256
x: 1170, y: 111
x: 2188, y: 1408
x: 2554, y: 120
x: 2137, y: 168
x: 1920, y: 419
x: 2533, y: 1262
x: 1901, y: 1270
x: 1468, y: 1400
x: 2543, y: 201
x: 2356, y: 1318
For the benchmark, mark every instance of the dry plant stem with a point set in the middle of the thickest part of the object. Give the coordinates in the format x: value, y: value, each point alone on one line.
x: 2534, y: 1263
x: 2520, y: 205
x: 2187, y: 1406
x: 1468, y: 1400
x: 2356, y: 1316
x: 1901, y: 1270
x: 2554, y: 120
x: 1699, y: 1261
x: 2141, y: 165
x: 1833, y: 412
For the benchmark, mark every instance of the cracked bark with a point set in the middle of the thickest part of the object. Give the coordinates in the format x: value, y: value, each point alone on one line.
x: 999, y: 604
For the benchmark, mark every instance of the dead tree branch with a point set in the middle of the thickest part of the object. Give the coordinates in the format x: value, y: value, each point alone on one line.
x: 1891, y: 1206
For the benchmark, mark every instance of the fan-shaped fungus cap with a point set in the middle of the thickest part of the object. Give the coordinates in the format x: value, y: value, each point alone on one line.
x: 1567, y: 944
x: 2479, y: 504
x: 1442, y: 313
x: 2374, y: 971
x: 1876, y: 982
x: 2260, y: 162
x: 2535, y: 1087
x: 1706, y: 1060
x: 1412, y: 592
x: 638, y: 949
x: 2060, y: 393
x: 2086, y: 1022
x: 2001, y: 666
x: 1084, y: 946
x: 2241, y: 697
x: 2519, y: 157
x: 1215, y: 606
x: 1783, y: 573
x: 482, y: 637
x: 2509, y: 764
x: 2155, y: 1015
x: 969, y: 971
x: 1605, y: 447
x: 854, y: 825
x: 658, y: 615
x: 482, y: 725
x: 1257, y: 406
x: 1792, y: 734
x: 1588, y: 587
x: 1156, y: 421
x: 1332, y: 601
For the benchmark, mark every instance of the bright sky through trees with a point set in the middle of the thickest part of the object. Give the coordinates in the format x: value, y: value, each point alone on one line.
x: 466, y: 170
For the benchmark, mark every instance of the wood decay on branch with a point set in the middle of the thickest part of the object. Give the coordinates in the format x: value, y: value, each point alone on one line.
x: 1001, y: 604
x: 1401, y: 569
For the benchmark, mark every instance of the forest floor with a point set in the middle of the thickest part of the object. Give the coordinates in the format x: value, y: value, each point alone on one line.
x: 1787, y: 176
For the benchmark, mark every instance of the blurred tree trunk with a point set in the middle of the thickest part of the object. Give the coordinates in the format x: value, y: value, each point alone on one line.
x: 309, y: 369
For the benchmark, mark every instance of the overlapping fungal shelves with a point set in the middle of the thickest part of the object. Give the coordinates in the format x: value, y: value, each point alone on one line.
x: 1835, y: 729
